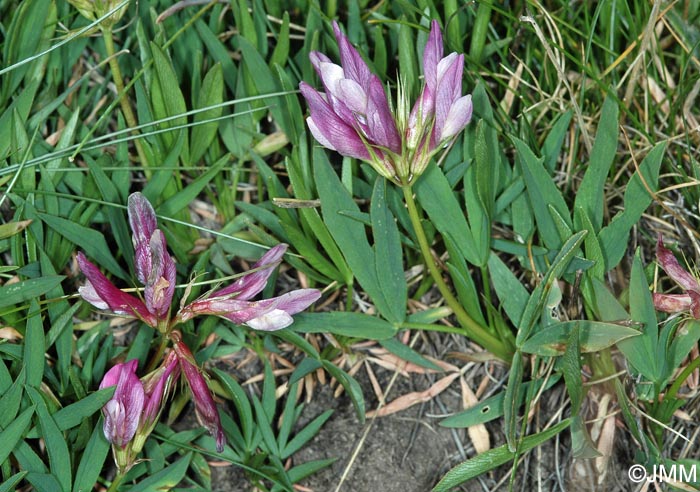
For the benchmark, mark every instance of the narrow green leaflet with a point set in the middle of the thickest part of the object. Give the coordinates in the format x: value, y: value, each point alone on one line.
x: 495, y: 457
x: 211, y: 94
x: 165, y: 479
x: 349, y: 324
x: 56, y: 446
x: 542, y: 193
x: 492, y: 408
x: 13, y: 433
x: 593, y: 337
x: 93, y: 459
x: 591, y: 194
x: 26, y: 290
x: 388, y: 255
x: 34, y: 348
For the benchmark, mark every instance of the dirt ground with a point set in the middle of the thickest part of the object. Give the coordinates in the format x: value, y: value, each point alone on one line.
x: 410, y: 452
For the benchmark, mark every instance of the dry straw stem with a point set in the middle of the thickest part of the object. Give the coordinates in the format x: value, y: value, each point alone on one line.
x: 558, y: 61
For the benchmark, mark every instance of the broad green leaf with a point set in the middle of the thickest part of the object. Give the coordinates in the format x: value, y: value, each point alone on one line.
x: 614, y: 238
x: 12, y: 228
x: 437, y: 198
x: 349, y: 324
x: 551, y: 149
x: 349, y: 234
x: 542, y: 193
x: 511, y: 403
x: 281, y: 52
x: 240, y: 400
x: 75, y: 413
x: 571, y: 367
x: 641, y: 351
x: 11, y: 399
x: 493, y: 458
x: 593, y: 337
x: 9, y: 484
x: 510, y: 291
x: 388, y: 255
x: 541, y: 293
x: 408, y: 65
x: 591, y: 194
x: 305, y: 434
x: 351, y: 386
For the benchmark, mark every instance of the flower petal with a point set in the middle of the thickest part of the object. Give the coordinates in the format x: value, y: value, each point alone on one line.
x: 353, y: 65
x: 460, y: 114
x: 334, y: 129
x: 432, y: 54
x: 204, y: 405
x: 142, y: 219
x: 123, y: 412
x: 672, y: 303
x: 252, y: 283
x: 119, y: 302
x: 160, y: 282
x: 670, y: 264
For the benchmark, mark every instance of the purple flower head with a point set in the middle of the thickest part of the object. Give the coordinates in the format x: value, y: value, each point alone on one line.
x: 677, y: 303
x: 155, y: 269
x: 123, y: 412
x: 205, y: 408
x: 233, y: 302
x: 353, y: 115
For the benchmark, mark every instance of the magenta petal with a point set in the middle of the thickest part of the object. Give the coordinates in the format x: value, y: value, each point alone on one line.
x: 123, y: 412
x: 670, y: 264
x: 155, y: 387
x: 142, y: 219
x: 119, y: 302
x: 380, y: 120
x: 252, y: 283
x: 204, y: 404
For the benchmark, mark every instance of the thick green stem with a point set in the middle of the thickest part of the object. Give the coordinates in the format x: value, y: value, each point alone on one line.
x: 121, y: 93
x: 472, y: 329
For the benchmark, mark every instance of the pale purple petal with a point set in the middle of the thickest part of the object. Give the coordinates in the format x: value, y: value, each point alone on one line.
x: 353, y: 95
x: 142, y: 219
x: 432, y: 54
x: 123, y: 412
x: 252, y: 283
x: 460, y: 114
x: 354, y: 66
x: 118, y: 302
x: 89, y: 294
x: 380, y: 121
x: 448, y: 90
x: 320, y: 137
x: 670, y: 264
x: 335, y: 130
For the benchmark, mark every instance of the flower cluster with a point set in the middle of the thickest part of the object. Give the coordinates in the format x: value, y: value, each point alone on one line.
x: 131, y: 414
x: 353, y: 116
x: 677, y: 303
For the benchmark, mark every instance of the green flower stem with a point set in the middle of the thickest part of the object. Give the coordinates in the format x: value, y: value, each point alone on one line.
x: 473, y: 329
x: 673, y: 390
x: 117, y: 480
x: 121, y: 92
x: 158, y: 356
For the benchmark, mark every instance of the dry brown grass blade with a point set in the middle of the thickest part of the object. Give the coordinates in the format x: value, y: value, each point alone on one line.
x: 408, y: 400
x: 477, y: 433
